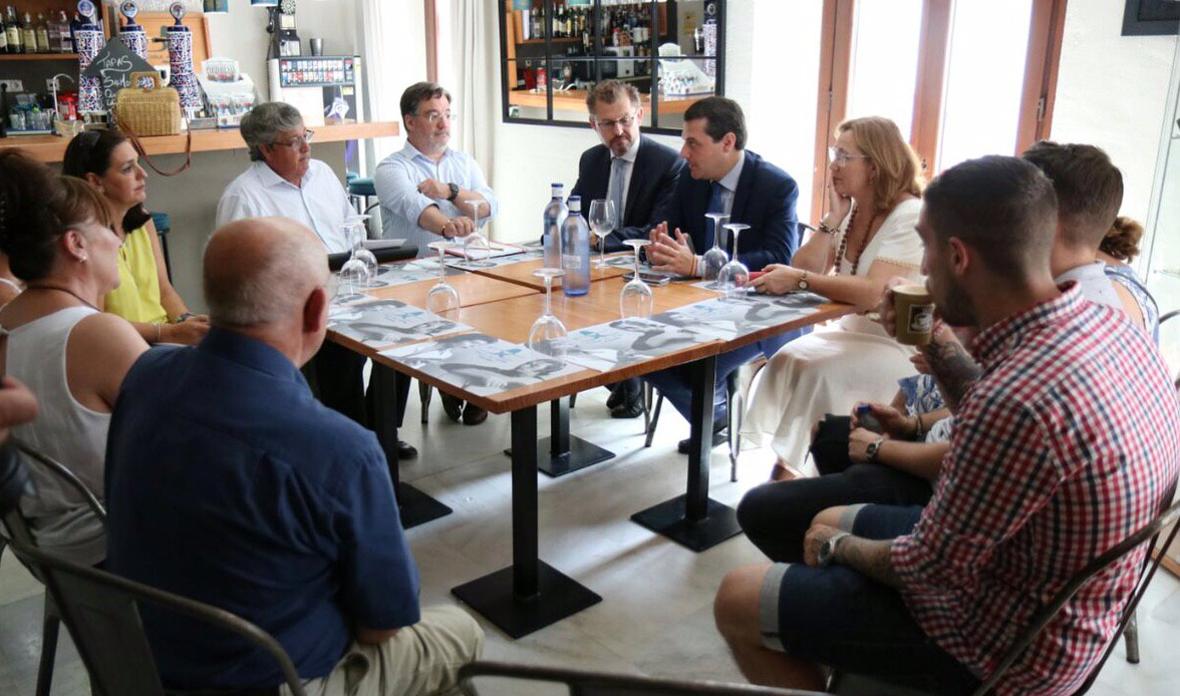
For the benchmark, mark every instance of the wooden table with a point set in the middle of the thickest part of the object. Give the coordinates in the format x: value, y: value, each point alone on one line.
x: 530, y: 594
x: 522, y: 273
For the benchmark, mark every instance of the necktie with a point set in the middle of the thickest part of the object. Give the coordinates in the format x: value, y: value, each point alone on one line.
x: 618, y: 174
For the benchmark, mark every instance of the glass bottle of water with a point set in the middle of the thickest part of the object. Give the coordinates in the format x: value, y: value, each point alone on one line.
x: 555, y: 214
x: 575, y: 250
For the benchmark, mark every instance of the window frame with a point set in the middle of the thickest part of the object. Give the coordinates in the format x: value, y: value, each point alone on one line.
x: 652, y: 59
x: 1037, y: 98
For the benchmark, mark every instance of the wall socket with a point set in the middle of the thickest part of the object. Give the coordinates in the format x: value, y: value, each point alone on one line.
x: 14, y: 85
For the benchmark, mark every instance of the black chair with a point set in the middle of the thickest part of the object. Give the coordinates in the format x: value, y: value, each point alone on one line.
x: 585, y: 683
x: 101, y: 610
x: 1148, y: 533
x: 18, y: 529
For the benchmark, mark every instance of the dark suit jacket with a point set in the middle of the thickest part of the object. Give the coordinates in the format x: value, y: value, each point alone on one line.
x: 653, y: 179
x: 764, y: 200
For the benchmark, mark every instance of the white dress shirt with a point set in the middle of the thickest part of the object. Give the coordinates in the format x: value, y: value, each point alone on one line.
x: 320, y: 203
x: 397, y: 179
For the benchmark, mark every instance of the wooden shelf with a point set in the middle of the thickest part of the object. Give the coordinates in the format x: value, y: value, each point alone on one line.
x: 38, y: 56
x: 529, y: 42
x: 50, y: 148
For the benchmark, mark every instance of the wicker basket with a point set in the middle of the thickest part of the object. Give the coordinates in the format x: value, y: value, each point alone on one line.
x: 148, y: 111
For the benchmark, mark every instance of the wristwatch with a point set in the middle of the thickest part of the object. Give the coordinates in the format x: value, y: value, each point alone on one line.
x: 827, y: 550
x: 872, y: 449
x: 454, y: 192
x: 802, y: 283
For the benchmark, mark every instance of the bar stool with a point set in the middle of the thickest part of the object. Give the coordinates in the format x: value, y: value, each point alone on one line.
x: 360, y: 190
x: 163, y: 225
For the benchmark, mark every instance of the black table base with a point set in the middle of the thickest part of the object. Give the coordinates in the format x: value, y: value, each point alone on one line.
x: 529, y: 594
x: 669, y: 518
x: 694, y: 520
x: 558, y: 596
x: 416, y: 507
x: 562, y: 453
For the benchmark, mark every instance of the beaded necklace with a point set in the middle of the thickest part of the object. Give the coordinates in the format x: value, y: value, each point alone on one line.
x: 864, y: 241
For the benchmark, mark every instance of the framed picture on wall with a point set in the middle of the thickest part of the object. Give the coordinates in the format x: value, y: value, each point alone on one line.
x: 1151, y: 18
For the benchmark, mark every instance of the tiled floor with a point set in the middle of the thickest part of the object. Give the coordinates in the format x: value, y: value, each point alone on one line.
x: 655, y: 617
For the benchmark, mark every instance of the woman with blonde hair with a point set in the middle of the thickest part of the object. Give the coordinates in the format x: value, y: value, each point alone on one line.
x: 867, y: 237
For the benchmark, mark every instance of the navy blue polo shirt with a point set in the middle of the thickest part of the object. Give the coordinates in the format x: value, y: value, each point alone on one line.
x: 229, y: 483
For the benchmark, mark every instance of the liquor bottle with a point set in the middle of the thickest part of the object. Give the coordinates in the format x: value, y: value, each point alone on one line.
x: 3, y: 36
x: 65, y: 34
x: 12, y: 29
x: 29, y: 35
x: 575, y: 251
x: 43, y: 43
x: 555, y: 216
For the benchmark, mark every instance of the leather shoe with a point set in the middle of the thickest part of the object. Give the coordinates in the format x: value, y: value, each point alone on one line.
x: 474, y: 415
x: 453, y: 407
x: 720, y: 437
x: 631, y: 408
x: 616, y: 397
x: 406, y: 451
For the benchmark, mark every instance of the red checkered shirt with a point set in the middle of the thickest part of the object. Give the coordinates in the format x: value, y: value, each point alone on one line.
x: 1062, y: 449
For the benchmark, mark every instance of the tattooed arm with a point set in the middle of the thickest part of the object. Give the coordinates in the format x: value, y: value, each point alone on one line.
x: 867, y: 556
x: 952, y: 366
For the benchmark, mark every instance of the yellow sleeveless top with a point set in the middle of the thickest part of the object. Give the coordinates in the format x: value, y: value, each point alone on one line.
x: 138, y: 296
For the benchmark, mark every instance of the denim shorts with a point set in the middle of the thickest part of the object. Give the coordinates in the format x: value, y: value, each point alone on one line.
x: 836, y: 616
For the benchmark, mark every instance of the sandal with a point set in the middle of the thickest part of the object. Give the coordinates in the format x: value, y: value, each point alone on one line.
x: 781, y: 472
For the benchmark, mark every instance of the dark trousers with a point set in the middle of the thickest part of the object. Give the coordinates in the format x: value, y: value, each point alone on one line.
x: 340, y: 378
x: 775, y: 516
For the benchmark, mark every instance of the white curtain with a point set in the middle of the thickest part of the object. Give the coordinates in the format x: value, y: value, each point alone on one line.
x: 469, y: 60
x: 393, y: 41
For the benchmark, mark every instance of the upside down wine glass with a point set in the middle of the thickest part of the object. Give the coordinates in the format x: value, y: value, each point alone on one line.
x: 443, y: 297
x: 354, y: 227
x: 476, y: 243
x: 602, y: 222
x: 635, y: 300
x: 734, y: 276
x: 548, y: 333
x: 715, y: 257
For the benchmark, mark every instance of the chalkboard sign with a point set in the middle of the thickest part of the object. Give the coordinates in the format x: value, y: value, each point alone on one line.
x: 113, y: 67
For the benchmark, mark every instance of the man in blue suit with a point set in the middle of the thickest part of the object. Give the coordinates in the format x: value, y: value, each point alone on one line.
x: 725, y: 178
x: 635, y: 172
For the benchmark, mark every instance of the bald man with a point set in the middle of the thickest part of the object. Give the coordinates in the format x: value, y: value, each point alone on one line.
x: 229, y: 483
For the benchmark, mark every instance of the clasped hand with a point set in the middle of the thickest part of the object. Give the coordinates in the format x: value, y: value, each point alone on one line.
x: 433, y: 188
x: 777, y: 279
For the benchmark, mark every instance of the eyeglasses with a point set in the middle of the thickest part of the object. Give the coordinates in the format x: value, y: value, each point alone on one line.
x: 840, y: 157
x: 297, y: 141
x: 625, y: 122
x: 433, y: 117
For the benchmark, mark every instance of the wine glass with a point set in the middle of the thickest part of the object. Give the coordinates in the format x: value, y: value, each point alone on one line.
x: 354, y: 276
x: 715, y: 257
x: 602, y: 221
x: 734, y: 276
x: 443, y: 297
x: 635, y: 300
x: 548, y: 333
x: 354, y: 231
x: 476, y: 243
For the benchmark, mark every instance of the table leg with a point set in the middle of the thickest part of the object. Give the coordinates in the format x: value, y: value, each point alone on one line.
x: 414, y: 506
x: 562, y: 453
x: 694, y: 520
x: 530, y: 594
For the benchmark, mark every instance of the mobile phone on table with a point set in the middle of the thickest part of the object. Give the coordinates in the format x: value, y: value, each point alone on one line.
x: 650, y: 277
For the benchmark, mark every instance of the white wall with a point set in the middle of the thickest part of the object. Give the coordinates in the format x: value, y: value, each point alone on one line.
x: 1111, y: 91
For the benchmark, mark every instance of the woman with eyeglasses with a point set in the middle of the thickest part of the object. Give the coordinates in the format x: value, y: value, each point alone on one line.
x: 145, y: 296
x: 58, y: 233
x: 867, y: 237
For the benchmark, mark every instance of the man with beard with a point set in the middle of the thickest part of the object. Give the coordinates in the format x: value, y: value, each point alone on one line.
x: 1064, y: 445
x: 635, y: 172
x: 425, y: 190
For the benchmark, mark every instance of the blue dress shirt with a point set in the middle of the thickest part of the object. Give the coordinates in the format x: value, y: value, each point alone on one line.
x: 229, y: 483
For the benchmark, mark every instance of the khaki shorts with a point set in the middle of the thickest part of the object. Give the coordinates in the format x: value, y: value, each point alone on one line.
x: 421, y: 659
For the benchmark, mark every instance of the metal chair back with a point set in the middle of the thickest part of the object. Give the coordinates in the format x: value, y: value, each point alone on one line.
x: 1148, y: 533
x: 585, y: 683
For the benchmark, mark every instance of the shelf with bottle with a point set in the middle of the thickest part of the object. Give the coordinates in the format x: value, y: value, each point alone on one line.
x: 38, y: 56
x: 24, y: 37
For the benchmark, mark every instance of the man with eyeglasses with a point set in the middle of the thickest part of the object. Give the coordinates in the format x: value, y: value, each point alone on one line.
x: 283, y: 179
x: 635, y: 172
x: 427, y: 191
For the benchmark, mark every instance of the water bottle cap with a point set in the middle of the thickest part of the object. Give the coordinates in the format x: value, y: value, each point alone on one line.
x: 575, y: 203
